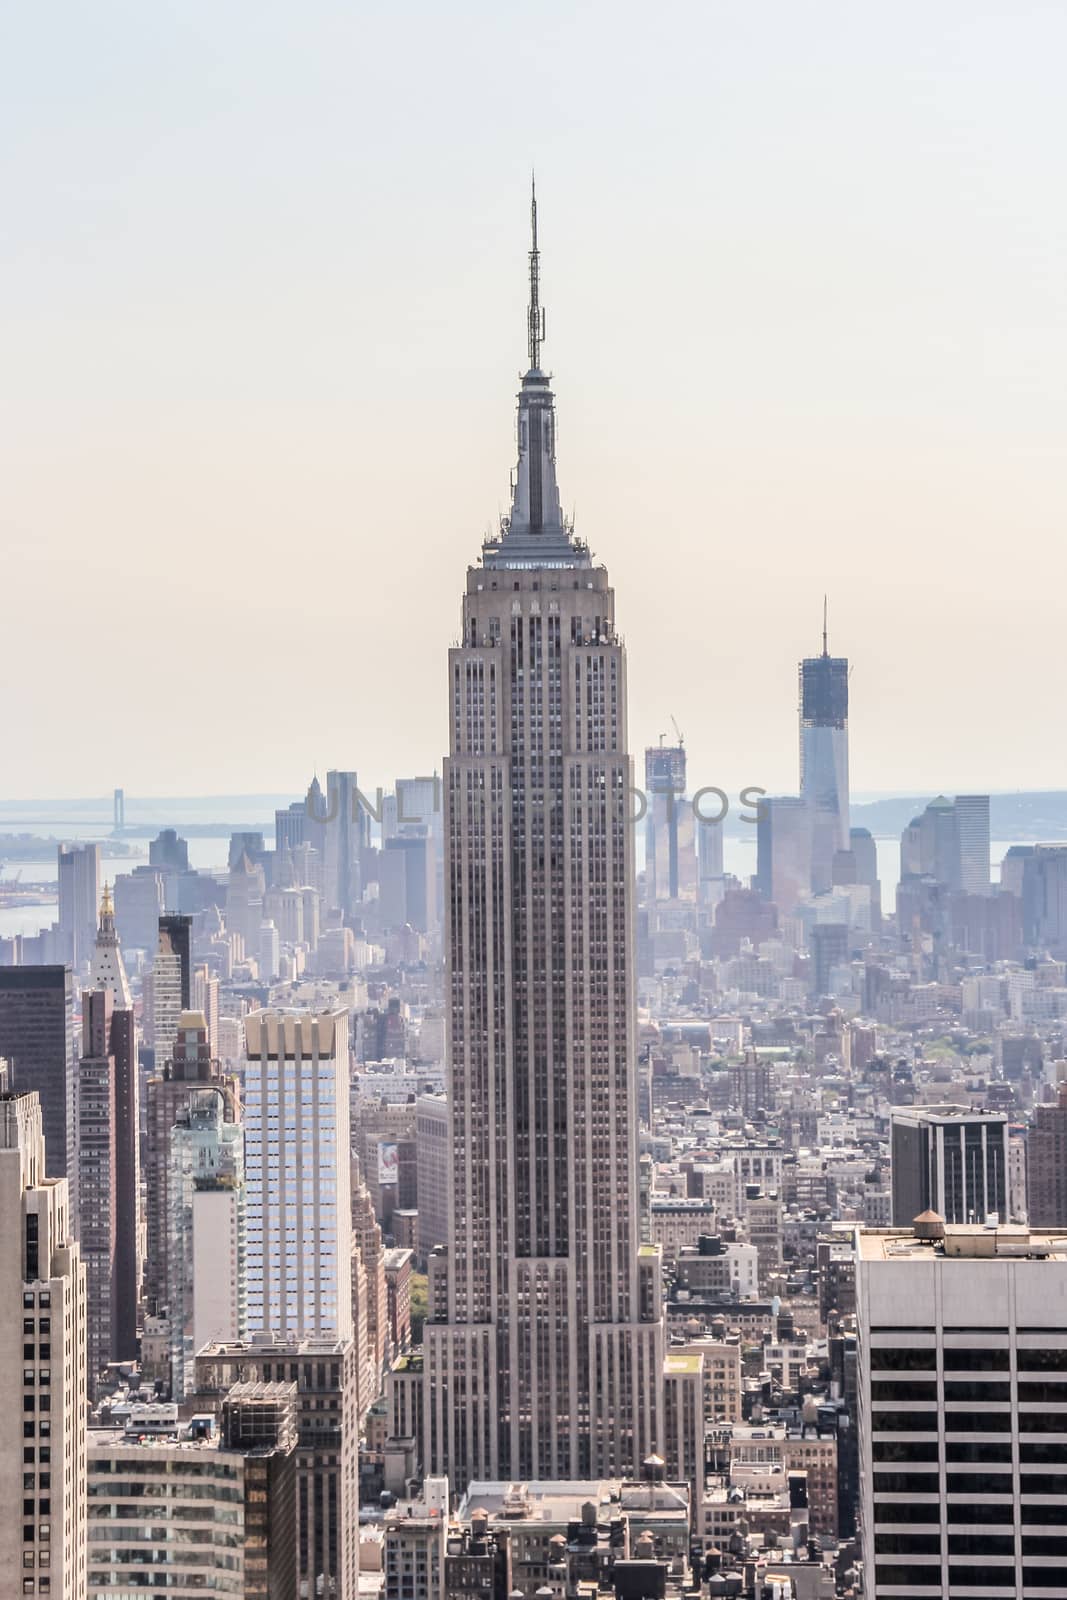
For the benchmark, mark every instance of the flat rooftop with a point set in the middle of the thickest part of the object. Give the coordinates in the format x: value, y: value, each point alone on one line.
x: 962, y: 1241
x: 118, y: 1439
x: 680, y: 1362
x: 946, y: 1113
x: 540, y: 1501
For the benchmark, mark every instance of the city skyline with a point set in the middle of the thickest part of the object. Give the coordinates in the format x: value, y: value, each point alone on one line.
x: 843, y: 337
x: 540, y: 1115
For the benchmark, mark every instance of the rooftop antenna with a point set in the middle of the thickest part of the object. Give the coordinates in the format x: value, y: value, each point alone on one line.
x: 825, y: 649
x: 535, y: 317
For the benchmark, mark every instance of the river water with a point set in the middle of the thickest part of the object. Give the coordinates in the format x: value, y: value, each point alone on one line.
x: 209, y: 853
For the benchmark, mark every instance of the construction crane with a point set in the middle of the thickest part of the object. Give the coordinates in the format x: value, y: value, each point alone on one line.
x: 677, y: 729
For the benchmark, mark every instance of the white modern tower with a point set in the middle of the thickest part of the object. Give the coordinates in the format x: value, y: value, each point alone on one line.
x: 544, y: 1345
x: 298, y: 1208
x: 299, y: 1273
x: 972, y: 829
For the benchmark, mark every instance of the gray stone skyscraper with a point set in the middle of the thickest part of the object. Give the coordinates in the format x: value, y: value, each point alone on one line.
x: 544, y: 1347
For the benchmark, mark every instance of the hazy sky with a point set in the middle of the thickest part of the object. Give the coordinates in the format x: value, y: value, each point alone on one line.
x: 263, y: 299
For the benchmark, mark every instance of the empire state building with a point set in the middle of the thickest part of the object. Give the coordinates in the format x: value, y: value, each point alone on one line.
x: 544, y: 1344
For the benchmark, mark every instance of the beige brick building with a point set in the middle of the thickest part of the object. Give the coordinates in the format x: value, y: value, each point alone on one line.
x: 42, y: 1369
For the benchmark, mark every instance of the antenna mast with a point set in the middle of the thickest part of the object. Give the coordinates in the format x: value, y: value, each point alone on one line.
x: 535, y: 317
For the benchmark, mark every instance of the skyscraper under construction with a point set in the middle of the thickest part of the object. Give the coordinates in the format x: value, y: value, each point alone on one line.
x: 824, y: 758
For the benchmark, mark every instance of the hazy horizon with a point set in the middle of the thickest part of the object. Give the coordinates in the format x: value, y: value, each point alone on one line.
x: 806, y: 282
x: 861, y: 798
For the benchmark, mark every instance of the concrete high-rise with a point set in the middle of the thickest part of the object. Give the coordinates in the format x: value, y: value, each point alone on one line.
x: 407, y: 882
x: 709, y: 856
x: 42, y: 1369
x: 79, y: 896
x: 824, y: 758
x: 344, y: 837
x: 1046, y: 1164
x: 168, y: 1092
x: 139, y: 901
x: 168, y: 852
x: 783, y: 850
x: 268, y: 948
x: 972, y: 828
x: 1044, y: 899
x: 829, y: 944
x: 962, y: 1405
x: 37, y: 1040
x: 865, y: 854
x: 176, y: 935
x: 327, y: 1453
x: 245, y: 889
x: 171, y: 982
x: 929, y: 845
x: 949, y: 842
x: 206, y: 1233
x: 431, y: 1155
x: 544, y: 1347
x: 172, y: 1509
x: 291, y: 826
x: 205, y: 998
x: 951, y: 1161
x: 372, y: 1336
x: 419, y: 805
x: 313, y: 829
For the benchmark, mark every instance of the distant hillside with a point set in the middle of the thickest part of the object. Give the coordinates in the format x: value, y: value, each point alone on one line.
x: 1027, y: 815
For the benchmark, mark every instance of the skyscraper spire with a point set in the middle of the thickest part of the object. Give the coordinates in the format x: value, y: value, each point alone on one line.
x: 825, y: 648
x: 535, y: 527
x: 535, y: 316
x: 107, y: 970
